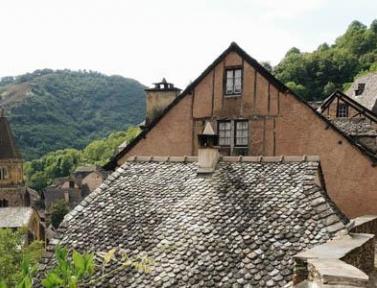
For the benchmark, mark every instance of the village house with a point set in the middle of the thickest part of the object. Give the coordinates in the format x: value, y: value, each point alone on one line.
x: 22, y: 218
x: 364, y: 91
x: 208, y: 192
x: 254, y: 114
x: 74, y: 188
x: 352, y: 118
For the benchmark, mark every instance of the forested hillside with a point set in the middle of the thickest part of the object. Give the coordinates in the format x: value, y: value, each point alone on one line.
x: 51, y: 110
x: 315, y: 75
x: 61, y: 163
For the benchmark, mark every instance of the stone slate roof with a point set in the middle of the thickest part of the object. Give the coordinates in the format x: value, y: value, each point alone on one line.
x: 355, y: 126
x: 8, y: 148
x: 369, y: 96
x: 15, y: 217
x: 237, y: 227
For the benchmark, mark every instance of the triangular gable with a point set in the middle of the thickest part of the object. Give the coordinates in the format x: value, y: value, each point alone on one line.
x: 346, y: 99
x: 112, y: 164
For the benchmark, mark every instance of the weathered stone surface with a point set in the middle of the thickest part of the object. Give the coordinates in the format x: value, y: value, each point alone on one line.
x: 237, y: 227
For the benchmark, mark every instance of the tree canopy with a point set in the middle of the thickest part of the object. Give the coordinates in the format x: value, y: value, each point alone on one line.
x: 61, y: 163
x: 51, y: 110
x: 315, y: 75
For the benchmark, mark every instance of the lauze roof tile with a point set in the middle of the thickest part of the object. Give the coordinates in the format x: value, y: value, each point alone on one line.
x: 237, y: 227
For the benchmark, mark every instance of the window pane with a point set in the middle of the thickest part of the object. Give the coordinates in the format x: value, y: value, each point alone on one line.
x: 237, y: 86
x: 242, y: 133
x: 233, y: 80
x: 342, y: 110
x: 238, y: 73
x: 224, y: 133
x: 229, y: 86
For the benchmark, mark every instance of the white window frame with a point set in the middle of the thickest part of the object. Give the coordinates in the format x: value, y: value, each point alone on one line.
x: 225, y: 133
x: 241, y: 133
x: 233, y: 82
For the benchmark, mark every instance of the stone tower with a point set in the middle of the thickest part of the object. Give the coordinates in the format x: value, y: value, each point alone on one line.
x: 12, y: 186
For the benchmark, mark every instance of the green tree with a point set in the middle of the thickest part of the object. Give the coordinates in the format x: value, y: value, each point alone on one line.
x: 58, y: 210
x: 298, y: 89
x: 17, y: 261
x: 50, y: 110
x: 41, y: 172
x: 329, y: 88
x: 69, y: 273
x: 313, y: 75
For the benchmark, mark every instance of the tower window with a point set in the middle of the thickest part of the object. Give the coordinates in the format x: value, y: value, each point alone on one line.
x: 342, y: 110
x: 233, y: 82
x: 3, y: 173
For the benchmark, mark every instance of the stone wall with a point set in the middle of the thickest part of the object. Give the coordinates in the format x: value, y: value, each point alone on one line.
x: 344, y: 262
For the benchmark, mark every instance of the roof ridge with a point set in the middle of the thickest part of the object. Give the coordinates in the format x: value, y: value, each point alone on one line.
x: 256, y: 159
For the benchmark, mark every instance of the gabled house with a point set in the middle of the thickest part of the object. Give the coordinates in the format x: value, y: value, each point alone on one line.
x: 252, y: 114
x: 352, y: 118
x: 364, y: 91
x: 72, y: 189
x: 22, y: 218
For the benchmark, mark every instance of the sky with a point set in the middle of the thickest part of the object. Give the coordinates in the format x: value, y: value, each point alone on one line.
x: 176, y: 39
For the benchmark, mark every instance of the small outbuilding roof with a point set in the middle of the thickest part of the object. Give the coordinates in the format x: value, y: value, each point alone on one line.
x: 15, y: 217
x: 239, y: 225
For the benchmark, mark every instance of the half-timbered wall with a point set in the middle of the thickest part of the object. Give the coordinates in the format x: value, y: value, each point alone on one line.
x: 279, y: 124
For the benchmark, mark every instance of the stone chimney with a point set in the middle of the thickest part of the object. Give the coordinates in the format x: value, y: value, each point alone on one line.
x: 208, y: 154
x: 158, y: 98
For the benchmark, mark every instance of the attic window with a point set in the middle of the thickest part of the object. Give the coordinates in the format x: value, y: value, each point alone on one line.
x: 233, y: 82
x: 360, y: 89
x: 342, y: 110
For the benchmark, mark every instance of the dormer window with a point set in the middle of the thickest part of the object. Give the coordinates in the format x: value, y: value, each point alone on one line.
x: 360, y: 89
x: 342, y: 110
x: 233, y: 82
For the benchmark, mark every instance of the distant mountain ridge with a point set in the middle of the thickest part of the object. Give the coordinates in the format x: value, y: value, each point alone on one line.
x: 55, y: 109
